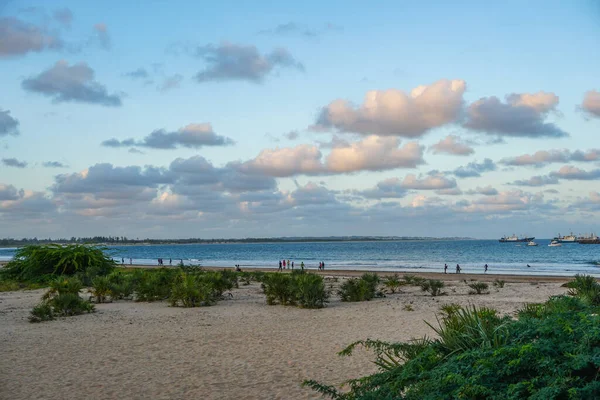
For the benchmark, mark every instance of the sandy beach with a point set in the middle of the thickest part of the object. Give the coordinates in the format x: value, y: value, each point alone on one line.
x: 240, y: 348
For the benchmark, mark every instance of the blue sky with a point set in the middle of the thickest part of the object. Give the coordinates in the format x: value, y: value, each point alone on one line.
x: 224, y: 85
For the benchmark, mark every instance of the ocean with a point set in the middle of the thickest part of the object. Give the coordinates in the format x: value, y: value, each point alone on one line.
x: 401, y: 256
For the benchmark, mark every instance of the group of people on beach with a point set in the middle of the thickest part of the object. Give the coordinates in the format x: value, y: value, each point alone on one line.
x: 458, y: 268
x: 130, y: 261
x: 161, y: 261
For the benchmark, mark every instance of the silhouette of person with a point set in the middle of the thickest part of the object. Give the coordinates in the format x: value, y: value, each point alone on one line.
x: 445, y: 268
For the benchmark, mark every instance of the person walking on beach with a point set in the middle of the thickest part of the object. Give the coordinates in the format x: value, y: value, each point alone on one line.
x: 445, y: 268
x: 289, y: 264
x: 283, y: 264
x: 302, y: 265
x: 322, y: 265
x: 457, y: 269
x: 122, y: 261
x: 279, y: 265
x: 485, y: 268
x: 130, y: 261
x: 292, y: 265
x: 170, y: 261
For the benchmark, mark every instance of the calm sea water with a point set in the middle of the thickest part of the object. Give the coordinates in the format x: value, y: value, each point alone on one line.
x: 406, y: 256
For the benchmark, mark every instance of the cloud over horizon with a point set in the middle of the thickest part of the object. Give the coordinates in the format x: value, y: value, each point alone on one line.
x: 452, y: 144
x: 591, y: 103
x: 545, y: 157
x: 13, y: 162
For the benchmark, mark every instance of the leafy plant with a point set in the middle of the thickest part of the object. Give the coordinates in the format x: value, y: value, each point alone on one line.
x: 40, y: 263
x: 413, y: 280
x: 478, y: 288
x: 192, y: 290
x: 550, y: 352
x: 245, y: 277
x: 392, y: 282
x: 309, y: 291
x: 41, y: 312
x: 121, y: 285
x: 498, y: 283
x: 101, y: 288
x: 359, y: 289
x: 586, y: 288
x: 408, y: 307
x: 153, y: 285
x: 450, y: 309
x: 278, y: 289
x: 433, y: 286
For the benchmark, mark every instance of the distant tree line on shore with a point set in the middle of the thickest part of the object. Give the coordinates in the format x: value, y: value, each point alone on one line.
x: 117, y: 240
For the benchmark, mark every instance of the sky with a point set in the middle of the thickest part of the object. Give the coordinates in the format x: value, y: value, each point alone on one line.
x: 259, y: 119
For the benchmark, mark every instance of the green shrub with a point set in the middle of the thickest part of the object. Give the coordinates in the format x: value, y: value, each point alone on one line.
x: 154, y: 285
x: 479, y: 288
x: 586, y: 288
x: 360, y: 289
x: 309, y: 291
x: 499, y: 283
x: 101, y: 288
x: 40, y: 263
x: 231, y: 277
x: 413, y: 280
x: 41, y: 312
x: 192, y: 290
x: 69, y: 304
x: 245, y: 277
x: 63, y: 285
x: 121, y: 285
x: 450, y: 309
x: 392, y: 282
x: 433, y: 286
x: 278, y: 288
x: 550, y: 355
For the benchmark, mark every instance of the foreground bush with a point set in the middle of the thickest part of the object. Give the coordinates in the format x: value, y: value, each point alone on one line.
x: 61, y: 300
x: 478, y: 288
x: 303, y: 289
x: 153, y: 285
x: 551, y: 352
x: 393, y: 283
x: 433, y: 286
x: 361, y: 289
x: 41, y: 263
x: 193, y: 290
x: 309, y: 291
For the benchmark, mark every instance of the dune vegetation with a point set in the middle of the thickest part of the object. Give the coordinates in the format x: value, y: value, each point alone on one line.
x: 548, y: 351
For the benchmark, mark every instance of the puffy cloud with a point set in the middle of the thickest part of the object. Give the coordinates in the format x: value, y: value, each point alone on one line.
x: 486, y: 191
x: 171, y: 82
x: 291, y: 135
x: 590, y: 203
x: 54, y: 164
x: 373, y: 153
x: 475, y: 169
x: 431, y: 182
x: 506, y: 202
x: 8, y: 192
x: 64, y: 83
x: 64, y: 16
x: 534, y: 181
x: 395, y: 188
x: 521, y: 115
x: 573, y: 173
x: 394, y: 112
x: 230, y: 61
x: 190, y: 136
x: 591, y: 103
x: 543, y: 157
x: 13, y: 162
x: 26, y: 204
x: 452, y: 144
x: 18, y: 38
x: 449, y: 192
x: 8, y: 124
x: 102, y: 36
x: 140, y: 73
x: 386, y: 189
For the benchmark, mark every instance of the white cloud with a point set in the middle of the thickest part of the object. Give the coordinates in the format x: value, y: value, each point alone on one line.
x: 452, y: 144
x: 396, y: 113
x: 591, y: 103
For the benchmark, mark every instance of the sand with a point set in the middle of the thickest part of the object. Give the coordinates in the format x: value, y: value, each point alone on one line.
x: 240, y: 348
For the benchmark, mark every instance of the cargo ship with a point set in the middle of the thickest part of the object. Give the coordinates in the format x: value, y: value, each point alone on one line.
x: 566, y: 239
x: 515, y: 239
x: 590, y: 239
